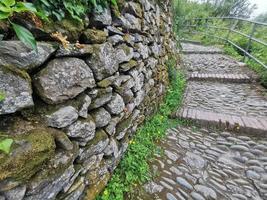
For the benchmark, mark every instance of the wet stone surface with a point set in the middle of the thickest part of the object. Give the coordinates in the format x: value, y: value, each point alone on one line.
x: 227, y: 98
x: 209, y: 165
x: 213, y: 63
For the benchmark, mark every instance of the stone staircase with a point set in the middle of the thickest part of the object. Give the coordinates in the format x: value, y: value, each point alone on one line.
x: 222, y: 92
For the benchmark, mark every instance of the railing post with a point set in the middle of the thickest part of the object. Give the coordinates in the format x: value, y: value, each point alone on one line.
x: 253, y: 29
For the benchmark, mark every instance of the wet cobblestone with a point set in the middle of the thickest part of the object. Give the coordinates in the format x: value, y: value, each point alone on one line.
x: 227, y: 98
x: 215, y: 171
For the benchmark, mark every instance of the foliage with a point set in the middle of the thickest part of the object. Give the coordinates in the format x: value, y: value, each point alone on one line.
x: 75, y: 9
x: 134, y: 168
x: 7, y: 10
x: 5, y: 145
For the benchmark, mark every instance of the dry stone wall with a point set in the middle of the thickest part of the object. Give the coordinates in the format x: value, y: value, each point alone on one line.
x: 71, y: 111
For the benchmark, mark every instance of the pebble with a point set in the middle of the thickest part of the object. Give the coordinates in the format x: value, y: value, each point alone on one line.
x: 170, y: 196
x: 206, y: 191
x: 180, y: 196
x: 256, y: 168
x: 184, y: 183
x: 252, y: 174
x: 197, y: 196
x: 238, y: 147
x: 166, y: 185
x: 240, y: 196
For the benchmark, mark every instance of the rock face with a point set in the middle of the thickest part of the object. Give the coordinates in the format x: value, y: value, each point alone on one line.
x: 103, y: 61
x: 116, y: 105
x: 15, y: 89
x: 75, y: 109
x: 16, y: 54
x: 63, y: 117
x: 63, y: 79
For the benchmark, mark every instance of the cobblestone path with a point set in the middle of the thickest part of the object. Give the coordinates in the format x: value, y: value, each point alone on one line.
x: 213, y: 162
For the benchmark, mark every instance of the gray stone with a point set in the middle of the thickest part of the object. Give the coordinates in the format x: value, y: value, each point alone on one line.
x: 49, y: 189
x: 16, y: 54
x: 116, y: 105
x: 143, y: 50
x: 113, y: 30
x: 124, y: 53
x: 111, y: 127
x: 171, y: 155
x: 103, y: 61
x: 134, y: 9
x: 95, y: 146
x: 252, y: 174
x: 207, y: 192
x: 184, y: 183
x: 101, y: 117
x: 112, y: 149
x: 134, y: 23
x: 63, y: 79
x: 101, y: 19
x: 15, y: 87
x: 170, y: 196
x: 16, y: 193
x: 102, y: 97
x: 84, y: 129
x: 140, y: 95
x: 77, y: 191
x: 197, y: 196
x: 194, y: 160
x: 83, y: 111
x: 115, y: 39
x: 63, y: 117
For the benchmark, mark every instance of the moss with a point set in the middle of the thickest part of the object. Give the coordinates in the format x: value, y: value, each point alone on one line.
x: 95, y: 189
x: 17, y: 72
x: 27, y: 155
x: 93, y: 36
x: 100, y: 135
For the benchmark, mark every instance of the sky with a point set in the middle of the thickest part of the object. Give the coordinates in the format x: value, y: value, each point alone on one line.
x: 261, y: 7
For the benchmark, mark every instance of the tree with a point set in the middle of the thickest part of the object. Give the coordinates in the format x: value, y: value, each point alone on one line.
x: 261, y: 18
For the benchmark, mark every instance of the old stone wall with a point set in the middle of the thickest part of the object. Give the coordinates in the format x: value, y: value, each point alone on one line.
x: 71, y: 111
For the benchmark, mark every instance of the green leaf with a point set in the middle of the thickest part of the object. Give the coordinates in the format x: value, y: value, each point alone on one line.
x: 22, y: 7
x: 8, y: 3
x: 5, y: 145
x: 5, y: 9
x: 4, y: 15
x: 25, y: 36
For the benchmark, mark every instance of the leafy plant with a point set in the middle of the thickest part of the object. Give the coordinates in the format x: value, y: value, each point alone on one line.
x: 7, y: 10
x: 2, y: 96
x: 75, y: 9
x: 5, y: 145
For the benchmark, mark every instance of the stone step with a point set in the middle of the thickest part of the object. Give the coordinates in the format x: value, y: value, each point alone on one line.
x: 233, y: 78
x: 246, y: 124
x: 227, y: 98
x: 185, y: 51
x: 189, y: 48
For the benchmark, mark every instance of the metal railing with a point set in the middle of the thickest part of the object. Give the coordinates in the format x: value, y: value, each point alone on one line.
x: 205, y: 25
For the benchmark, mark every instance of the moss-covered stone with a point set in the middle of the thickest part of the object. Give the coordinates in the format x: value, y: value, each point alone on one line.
x: 93, y: 36
x: 70, y: 28
x: 29, y: 151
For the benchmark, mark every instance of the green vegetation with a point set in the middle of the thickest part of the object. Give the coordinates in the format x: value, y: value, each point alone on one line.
x: 134, y: 168
x: 75, y: 9
x: 5, y: 145
x: 185, y: 9
x: 7, y: 9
